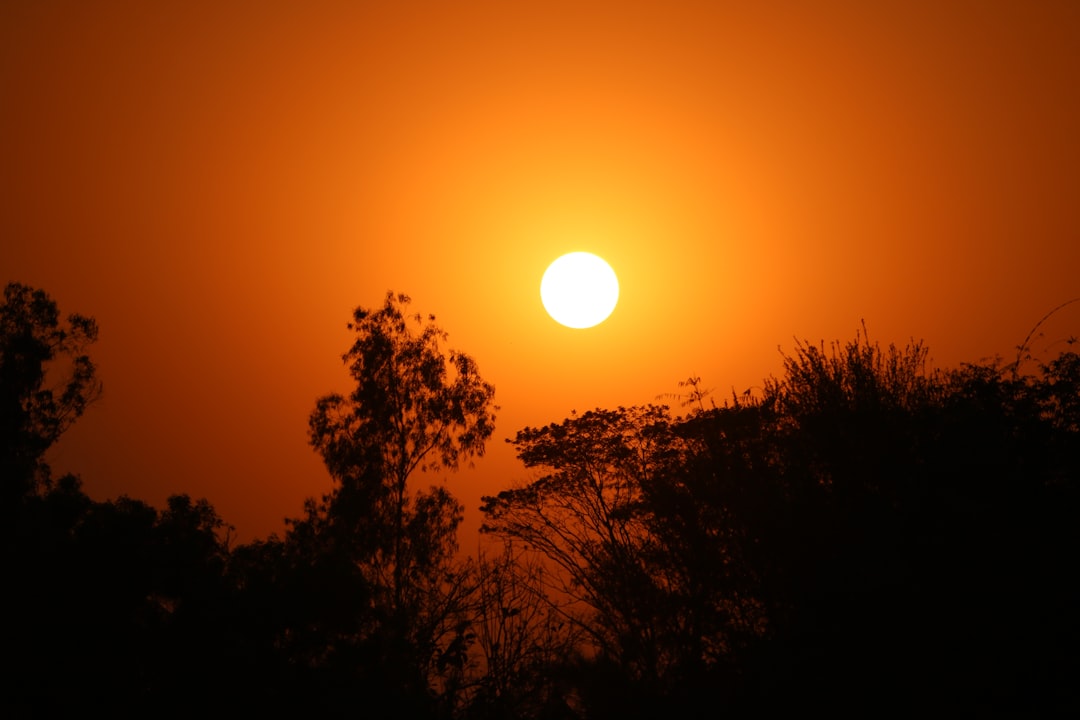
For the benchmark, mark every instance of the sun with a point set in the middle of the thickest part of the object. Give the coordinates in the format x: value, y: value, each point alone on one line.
x: 579, y: 290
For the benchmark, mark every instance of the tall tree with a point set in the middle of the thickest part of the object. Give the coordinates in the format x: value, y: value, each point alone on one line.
x: 417, y: 407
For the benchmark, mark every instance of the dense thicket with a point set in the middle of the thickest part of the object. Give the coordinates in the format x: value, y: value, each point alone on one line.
x: 863, y: 535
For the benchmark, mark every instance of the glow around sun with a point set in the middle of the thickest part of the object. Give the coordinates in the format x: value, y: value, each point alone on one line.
x: 579, y: 290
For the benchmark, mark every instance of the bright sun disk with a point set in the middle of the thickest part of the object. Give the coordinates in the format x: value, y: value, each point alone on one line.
x: 579, y: 290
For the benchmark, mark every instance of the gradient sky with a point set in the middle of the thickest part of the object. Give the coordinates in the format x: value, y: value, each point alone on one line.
x: 221, y: 183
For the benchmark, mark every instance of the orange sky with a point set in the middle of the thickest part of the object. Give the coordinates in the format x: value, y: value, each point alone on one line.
x: 221, y: 183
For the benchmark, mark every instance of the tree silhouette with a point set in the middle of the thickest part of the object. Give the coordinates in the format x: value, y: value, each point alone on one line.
x: 654, y: 572
x: 114, y: 604
x: 416, y: 407
x: 34, y: 344
x: 580, y: 514
x: 525, y: 644
x: 867, y: 528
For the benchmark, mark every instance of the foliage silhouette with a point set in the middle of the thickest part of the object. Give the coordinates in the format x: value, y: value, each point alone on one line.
x: 416, y: 407
x: 610, y: 512
x: 865, y: 531
x: 385, y: 594
x: 33, y: 415
x: 524, y: 643
x: 114, y: 604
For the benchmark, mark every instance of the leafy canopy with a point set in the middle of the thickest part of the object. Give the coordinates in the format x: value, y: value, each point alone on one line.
x: 415, y: 406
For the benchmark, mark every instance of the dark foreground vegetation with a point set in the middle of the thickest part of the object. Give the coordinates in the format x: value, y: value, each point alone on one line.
x: 865, y: 536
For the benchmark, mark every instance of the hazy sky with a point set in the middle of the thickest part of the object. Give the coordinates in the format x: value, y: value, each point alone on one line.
x: 221, y: 183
